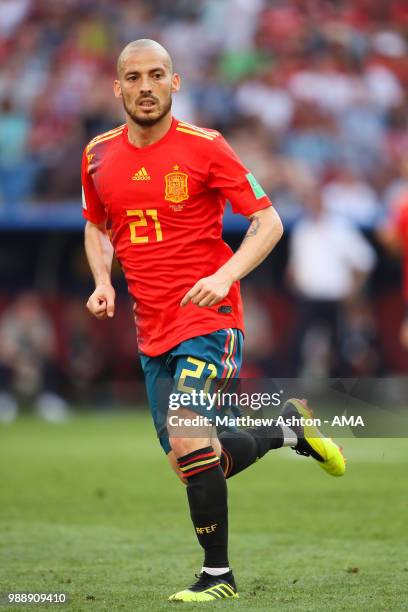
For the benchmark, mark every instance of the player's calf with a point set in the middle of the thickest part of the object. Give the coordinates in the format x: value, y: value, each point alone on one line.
x: 207, y: 498
x: 244, y: 447
x: 172, y: 458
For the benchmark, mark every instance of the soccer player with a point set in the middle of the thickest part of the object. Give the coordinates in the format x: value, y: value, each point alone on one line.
x: 154, y: 191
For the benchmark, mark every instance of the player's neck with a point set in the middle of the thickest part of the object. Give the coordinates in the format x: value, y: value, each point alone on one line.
x: 142, y: 136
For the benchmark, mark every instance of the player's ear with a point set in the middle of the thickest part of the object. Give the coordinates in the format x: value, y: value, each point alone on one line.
x: 175, y: 82
x: 117, y: 90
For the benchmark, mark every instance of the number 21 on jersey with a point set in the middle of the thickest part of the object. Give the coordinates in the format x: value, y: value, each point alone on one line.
x: 144, y: 217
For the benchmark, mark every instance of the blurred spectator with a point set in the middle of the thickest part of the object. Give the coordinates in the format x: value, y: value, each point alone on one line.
x: 16, y: 168
x: 267, y: 99
x: 12, y: 13
x: 312, y: 139
x: 28, y: 359
x: 260, y: 345
x: 359, y: 341
x: 323, y: 84
x: 86, y: 358
x: 351, y: 198
x: 329, y: 261
x: 327, y: 82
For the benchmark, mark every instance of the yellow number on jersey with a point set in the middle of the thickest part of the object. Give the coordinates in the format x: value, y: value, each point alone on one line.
x: 142, y: 222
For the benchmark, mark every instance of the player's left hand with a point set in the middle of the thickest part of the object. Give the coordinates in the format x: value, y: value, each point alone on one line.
x: 207, y: 291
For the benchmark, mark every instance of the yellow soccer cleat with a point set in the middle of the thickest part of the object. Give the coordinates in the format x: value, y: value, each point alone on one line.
x: 208, y: 588
x: 311, y: 442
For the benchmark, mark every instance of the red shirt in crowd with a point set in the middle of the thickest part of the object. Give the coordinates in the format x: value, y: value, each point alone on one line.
x: 164, y: 205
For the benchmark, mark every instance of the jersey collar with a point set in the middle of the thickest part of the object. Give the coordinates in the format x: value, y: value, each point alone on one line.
x: 149, y: 147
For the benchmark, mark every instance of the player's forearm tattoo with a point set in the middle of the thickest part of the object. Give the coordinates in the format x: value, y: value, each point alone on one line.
x: 253, y: 228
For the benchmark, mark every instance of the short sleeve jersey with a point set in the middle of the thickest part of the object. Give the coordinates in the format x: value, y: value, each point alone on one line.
x: 164, y: 205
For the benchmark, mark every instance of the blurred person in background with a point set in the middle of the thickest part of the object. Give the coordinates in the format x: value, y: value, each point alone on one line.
x: 351, y: 197
x: 28, y: 360
x: 16, y: 166
x: 312, y: 139
x: 323, y: 78
x: 329, y: 262
x: 86, y: 356
x: 260, y: 344
x: 358, y: 348
x: 12, y: 13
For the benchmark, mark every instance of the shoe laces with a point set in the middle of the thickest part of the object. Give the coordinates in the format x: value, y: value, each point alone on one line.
x: 202, y: 580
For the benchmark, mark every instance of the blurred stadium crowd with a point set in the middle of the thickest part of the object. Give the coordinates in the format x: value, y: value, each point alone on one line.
x: 312, y: 94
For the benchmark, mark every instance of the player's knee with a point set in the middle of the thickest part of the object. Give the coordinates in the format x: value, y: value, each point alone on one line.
x: 184, y: 446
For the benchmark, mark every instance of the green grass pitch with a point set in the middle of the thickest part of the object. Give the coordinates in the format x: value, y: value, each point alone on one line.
x: 91, y: 508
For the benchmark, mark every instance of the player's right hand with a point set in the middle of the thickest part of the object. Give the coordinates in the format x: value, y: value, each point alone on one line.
x: 102, y: 302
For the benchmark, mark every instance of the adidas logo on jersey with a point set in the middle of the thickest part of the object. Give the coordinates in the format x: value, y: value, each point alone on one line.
x: 141, y: 175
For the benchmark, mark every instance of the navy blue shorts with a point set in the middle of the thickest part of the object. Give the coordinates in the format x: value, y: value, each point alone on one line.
x: 197, y: 361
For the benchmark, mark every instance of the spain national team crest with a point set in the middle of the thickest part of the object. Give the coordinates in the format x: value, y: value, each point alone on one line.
x: 176, y: 186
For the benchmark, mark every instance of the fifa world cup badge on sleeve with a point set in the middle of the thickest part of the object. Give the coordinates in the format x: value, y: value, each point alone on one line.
x: 176, y: 187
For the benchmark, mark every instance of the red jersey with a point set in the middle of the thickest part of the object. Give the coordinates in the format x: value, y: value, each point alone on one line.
x: 164, y: 205
x: 402, y: 230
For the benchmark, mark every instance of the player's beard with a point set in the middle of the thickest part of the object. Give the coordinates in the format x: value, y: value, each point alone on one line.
x: 148, y: 121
